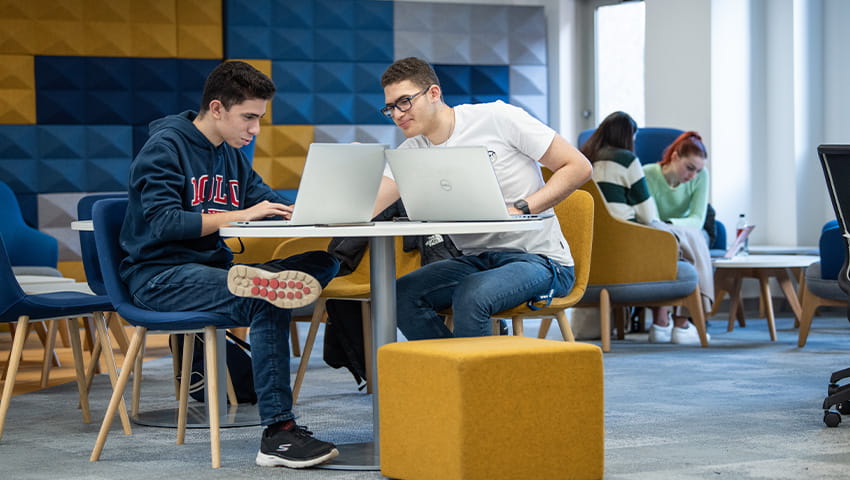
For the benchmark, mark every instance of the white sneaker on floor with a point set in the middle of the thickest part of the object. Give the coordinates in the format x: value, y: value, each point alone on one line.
x: 659, y: 334
x: 687, y: 335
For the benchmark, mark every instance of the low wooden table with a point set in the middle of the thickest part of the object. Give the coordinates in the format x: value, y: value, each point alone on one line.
x: 729, y: 274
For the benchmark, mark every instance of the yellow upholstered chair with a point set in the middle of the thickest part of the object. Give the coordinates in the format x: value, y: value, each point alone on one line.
x: 575, y: 214
x: 354, y: 286
x: 635, y: 265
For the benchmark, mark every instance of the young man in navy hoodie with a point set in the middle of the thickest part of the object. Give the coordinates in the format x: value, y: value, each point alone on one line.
x: 189, y: 179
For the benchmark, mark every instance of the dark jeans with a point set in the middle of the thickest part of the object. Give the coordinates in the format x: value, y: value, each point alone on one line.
x: 475, y: 287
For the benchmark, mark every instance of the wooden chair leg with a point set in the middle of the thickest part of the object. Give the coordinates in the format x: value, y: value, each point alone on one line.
x: 77, y: 349
x: 318, y: 313
x: 41, y: 330
x: 118, y: 391
x: 620, y: 322
x: 211, y: 380
x: 185, y: 380
x: 366, y: 313
x: 516, y: 323
x: 12, y: 369
x: 95, y: 358
x: 49, y: 351
x: 116, y: 326
x: 694, y: 305
x: 293, y: 339
x: 175, y: 361
x: 231, y: 390
x: 137, y: 378
x: 605, y: 319
x: 564, y: 325
x: 104, y: 345
x: 544, y: 327
x: 63, y: 333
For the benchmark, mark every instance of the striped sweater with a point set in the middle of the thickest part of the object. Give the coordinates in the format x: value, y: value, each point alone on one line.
x: 619, y: 174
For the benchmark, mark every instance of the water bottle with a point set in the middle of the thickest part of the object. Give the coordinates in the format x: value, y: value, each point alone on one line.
x: 739, y: 229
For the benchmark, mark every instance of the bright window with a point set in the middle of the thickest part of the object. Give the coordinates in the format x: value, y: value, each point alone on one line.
x: 619, y: 60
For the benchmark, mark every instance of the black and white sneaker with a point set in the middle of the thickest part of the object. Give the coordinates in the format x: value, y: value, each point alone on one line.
x: 294, y: 448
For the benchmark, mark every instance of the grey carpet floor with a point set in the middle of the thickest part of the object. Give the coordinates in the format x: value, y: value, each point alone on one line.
x: 745, y: 408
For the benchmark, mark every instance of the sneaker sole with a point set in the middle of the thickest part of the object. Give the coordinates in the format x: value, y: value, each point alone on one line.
x: 284, y: 289
x: 265, y: 460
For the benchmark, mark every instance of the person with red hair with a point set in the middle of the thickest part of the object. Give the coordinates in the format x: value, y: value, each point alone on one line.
x: 679, y: 182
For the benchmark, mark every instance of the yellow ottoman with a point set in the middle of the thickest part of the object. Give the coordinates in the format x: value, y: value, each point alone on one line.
x: 490, y: 408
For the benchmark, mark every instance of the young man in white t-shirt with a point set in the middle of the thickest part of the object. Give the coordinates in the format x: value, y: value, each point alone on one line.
x: 500, y: 270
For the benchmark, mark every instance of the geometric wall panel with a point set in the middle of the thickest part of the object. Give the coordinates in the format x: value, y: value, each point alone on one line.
x: 536, y: 105
x: 17, y: 89
x: 199, y: 29
x: 528, y: 80
x: 527, y: 49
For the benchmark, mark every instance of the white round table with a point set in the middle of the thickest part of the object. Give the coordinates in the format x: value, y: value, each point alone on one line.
x: 365, y: 456
x: 729, y: 274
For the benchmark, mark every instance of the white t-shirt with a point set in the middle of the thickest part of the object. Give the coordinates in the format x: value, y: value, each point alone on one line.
x: 518, y: 141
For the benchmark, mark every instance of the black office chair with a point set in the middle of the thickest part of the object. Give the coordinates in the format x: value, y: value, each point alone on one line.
x: 835, y: 161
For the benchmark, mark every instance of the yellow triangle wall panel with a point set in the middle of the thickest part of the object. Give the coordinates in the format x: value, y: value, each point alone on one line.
x: 16, y: 9
x: 199, y: 41
x: 17, y: 72
x: 154, y: 40
x: 19, y: 36
x: 199, y: 12
x: 17, y: 106
x: 108, y: 10
x: 263, y: 144
x: 59, y: 37
x: 264, y: 167
x: 154, y: 11
x: 108, y: 39
x: 292, y: 140
x: 65, y: 10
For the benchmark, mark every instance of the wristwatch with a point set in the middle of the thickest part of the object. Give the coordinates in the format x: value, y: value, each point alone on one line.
x: 522, y: 206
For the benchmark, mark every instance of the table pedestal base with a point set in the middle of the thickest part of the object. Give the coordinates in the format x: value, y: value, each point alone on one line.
x: 355, y: 456
x: 196, y: 417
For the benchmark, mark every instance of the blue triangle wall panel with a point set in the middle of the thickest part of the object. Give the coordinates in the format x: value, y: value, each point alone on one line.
x: 366, y: 109
x: 293, y: 43
x: 490, y: 80
x: 334, y: 77
x: 373, y: 46
x: 248, y: 42
x: 294, y: 13
x: 454, y: 79
x: 61, y: 141
x: 293, y: 109
x: 18, y: 141
x: 192, y: 73
x: 65, y: 73
x: 155, y: 74
x: 374, y: 15
x: 334, y: 45
x: 249, y: 12
x: 20, y: 174
x: 104, y: 73
x: 62, y: 175
x: 367, y: 78
x: 105, y: 174
x: 109, y: 141
x: 334, y: 108
x: 109, y: 107
x: 293, y: 77
x: 60, y: 106
x: 335, y: 13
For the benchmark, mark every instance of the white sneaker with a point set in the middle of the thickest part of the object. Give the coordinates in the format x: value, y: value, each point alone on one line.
x: 687, y: 335
x: 659, y: 334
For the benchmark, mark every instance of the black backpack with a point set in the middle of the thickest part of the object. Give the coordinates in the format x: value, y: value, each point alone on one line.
x: 238, y: 365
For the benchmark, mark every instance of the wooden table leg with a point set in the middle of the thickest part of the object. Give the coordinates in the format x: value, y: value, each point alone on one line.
x: 764, y: 276
x: 734, y: 302
x: 790, y: 294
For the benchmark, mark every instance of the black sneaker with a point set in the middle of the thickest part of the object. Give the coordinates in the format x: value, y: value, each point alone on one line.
x: 294, y: 448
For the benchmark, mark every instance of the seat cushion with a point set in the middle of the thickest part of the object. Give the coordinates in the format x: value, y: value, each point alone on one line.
x: 686, y: 281
x: 821, y: 287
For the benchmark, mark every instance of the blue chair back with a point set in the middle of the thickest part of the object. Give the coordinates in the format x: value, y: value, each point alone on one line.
x: 832, y: 250
x: 25, y: 245
x: 11, y: 293
x: 88, y: 250
x: 108, y: 216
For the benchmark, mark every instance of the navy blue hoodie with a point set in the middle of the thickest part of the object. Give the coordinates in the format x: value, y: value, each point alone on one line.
x: 177, y: 176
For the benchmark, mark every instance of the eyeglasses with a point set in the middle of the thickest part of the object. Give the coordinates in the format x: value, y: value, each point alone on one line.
x: 403, y: 104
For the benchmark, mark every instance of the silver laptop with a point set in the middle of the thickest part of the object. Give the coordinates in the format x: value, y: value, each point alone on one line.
x: 452, y: 184
x: 339, y: 185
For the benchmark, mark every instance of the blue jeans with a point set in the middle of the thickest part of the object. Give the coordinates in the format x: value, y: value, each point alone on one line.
x: 196, y: 287
x: 475, y: 287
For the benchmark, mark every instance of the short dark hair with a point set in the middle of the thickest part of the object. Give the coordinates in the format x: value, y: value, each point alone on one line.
x: 416, y: 70
x: 233, y: 82
x: 617, y: 130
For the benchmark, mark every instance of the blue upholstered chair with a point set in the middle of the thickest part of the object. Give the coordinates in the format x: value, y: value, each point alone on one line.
x: 31, y: 252
x: 22, y: 309
x: 821, y: 284
x: 108, y: 216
